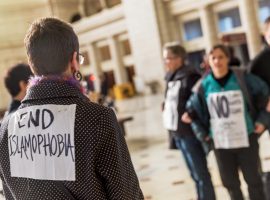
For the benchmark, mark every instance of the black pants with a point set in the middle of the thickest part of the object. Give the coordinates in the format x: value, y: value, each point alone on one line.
x: 248, y: 161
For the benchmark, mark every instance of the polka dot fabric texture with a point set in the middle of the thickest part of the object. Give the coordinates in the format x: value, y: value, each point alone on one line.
x: 102, y: 162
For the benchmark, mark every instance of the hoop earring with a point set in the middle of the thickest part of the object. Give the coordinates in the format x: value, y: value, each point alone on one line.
x: 77, y: 75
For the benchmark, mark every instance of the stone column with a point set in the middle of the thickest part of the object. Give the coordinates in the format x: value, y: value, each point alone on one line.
x: 208, y: 27
x: 95, y: 64
x: 249, y: 19
x: 103, y: 4
x: 145, y: 38
x: 81, y: 8
x: 119, y: 70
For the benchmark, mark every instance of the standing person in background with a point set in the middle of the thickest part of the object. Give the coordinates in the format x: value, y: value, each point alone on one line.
x: 229, y: 113
x: 180, y: 79
x: 16, y: 81
x: 58, y: 144
x: 260, y: 65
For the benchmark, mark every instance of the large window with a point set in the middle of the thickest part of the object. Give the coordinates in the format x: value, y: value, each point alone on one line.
x: 264, y: 9
x: 228, y: 20
x: 193, y: 29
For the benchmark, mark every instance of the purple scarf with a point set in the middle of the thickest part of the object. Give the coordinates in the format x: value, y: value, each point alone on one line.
x: 35, y: 80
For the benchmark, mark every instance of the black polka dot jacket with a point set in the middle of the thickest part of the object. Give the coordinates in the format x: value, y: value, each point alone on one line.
x: 103, y: 165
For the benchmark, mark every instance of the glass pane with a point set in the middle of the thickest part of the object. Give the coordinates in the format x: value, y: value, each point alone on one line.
x: 193, y: 29
x: 264, y: 9
x: 229, y: 20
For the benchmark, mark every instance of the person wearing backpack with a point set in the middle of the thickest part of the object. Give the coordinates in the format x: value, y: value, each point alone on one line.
x: 228, y: 112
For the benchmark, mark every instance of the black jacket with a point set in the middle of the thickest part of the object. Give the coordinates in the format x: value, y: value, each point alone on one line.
x: 188, y: 77
x: 260, y: 66
x: 103, y: 166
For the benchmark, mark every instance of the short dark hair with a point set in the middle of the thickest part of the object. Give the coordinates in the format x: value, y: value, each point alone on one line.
x: 17, y: 73
x: 223, y: 48
x: 176, y: 49
x: 50, y: 44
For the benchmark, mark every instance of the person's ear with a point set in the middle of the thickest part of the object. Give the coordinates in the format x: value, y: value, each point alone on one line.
x: 75, y: 62
x: 23, y: 85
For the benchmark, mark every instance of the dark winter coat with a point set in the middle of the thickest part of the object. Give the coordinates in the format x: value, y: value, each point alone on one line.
x: 255, y: 92
x: 103, y: 167
x: 188, y: 77
x: 260, y: 65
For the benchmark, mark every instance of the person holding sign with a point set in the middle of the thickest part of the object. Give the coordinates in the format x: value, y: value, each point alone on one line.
x: 180, y: 80
x: 58, y: 144
x: 229, y: 107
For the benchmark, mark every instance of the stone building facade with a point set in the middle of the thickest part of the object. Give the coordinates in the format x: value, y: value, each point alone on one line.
x: 123, y: 39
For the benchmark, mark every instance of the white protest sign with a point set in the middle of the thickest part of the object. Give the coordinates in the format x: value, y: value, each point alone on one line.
x: 41, y: 142
x: 228, y: 120
x: 170, y: 113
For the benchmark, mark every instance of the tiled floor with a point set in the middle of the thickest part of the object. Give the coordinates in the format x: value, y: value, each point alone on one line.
x: 162, y: 172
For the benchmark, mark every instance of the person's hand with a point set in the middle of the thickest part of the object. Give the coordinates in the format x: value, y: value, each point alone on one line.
x: 186, y: 118
x: 259, y: 128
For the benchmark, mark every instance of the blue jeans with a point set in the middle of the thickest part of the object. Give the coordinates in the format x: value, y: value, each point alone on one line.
x: 195, y: 159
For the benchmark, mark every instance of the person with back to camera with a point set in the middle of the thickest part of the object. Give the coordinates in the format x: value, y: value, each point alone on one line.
x: 58, y: 144
x: 180, y: 79
x: 228, y: 108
